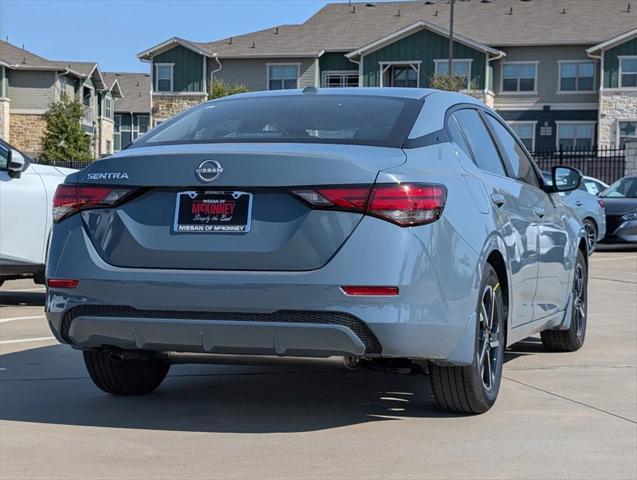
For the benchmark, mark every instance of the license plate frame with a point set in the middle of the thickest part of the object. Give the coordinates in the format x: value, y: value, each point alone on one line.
x: 209, y: 215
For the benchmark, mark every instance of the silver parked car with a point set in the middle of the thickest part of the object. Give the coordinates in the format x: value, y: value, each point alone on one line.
x: 370, y: 223
x: 588, y: 207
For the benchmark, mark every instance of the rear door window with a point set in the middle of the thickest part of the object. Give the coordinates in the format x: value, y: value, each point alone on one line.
x: 521, y: 166
x: 484, y: 150
x: 457, y: 136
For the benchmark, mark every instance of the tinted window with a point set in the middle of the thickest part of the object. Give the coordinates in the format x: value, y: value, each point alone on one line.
x: 4, y: 158
x: 343, y: 119
x: 485, y: 153
x: 457, y: 136
x: 518, y: 161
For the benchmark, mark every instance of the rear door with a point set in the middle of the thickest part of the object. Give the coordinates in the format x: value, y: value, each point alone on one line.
x: 248, y: 188
x: 514, y: 203
x: 550, y: 295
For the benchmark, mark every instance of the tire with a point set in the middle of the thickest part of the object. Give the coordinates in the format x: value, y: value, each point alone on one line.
x: 474, y: 388
x: 572, y: 339
x: 124, y: 377
x: 591, y: 235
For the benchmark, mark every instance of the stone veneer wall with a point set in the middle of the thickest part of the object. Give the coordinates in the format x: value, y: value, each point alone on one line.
x: 166, y: 106
x: 613, y: 108
x: 27, y: 133
x: 107, y: 129
x: 5, y: 121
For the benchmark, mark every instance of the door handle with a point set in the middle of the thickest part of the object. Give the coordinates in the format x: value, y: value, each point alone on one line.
x: 538, y: 211
x: 579, y: 203
x: 497, y: 199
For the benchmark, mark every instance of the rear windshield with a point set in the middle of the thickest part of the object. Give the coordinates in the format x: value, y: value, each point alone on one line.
x: 340, y: 119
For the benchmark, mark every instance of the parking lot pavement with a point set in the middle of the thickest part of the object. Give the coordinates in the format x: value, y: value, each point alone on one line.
x: 558, y: 415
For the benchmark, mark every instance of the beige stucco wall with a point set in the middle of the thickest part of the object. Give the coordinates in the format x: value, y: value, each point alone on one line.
x: 27, y: 133
x: 166, y: 106
x: 5, y: 129
x: 614, y: 107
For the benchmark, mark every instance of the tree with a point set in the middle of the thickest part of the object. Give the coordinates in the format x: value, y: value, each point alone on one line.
x: 449, y: 83
x: 219, y: 88
x: 64, y: 138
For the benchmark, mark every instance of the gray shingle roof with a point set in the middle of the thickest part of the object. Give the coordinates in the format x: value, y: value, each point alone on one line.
x: 16, y: 57
x: 534, y: 22
x: 82, y: 68
x: 135, y: 89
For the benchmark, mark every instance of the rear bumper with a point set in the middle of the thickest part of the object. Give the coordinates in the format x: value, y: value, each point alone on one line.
x: 433, y: 317
x: 625, y: 232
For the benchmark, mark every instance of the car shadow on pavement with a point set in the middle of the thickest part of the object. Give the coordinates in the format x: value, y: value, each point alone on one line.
x: 49, y: 385
x: 8, y: 297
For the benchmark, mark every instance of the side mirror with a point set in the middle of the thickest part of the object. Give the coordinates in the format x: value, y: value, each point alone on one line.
x: 565, y: 179
x: 15, y: 163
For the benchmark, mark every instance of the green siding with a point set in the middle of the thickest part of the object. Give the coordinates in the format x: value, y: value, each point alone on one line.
x: 611, y: 62
x: 187, y: 69
x: 426, y: 46
x: 88, y: 82
x: 336, y: 61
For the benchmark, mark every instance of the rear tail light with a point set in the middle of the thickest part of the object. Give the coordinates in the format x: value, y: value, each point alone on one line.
x: 407, y: 204
x: 70, y: 199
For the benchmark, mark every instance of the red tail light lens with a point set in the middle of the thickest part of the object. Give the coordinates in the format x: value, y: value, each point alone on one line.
x: 62, y: 282
x: 367, y: 291
x: 404, y: 204
x: 601, y: 203
x: 70, y: 199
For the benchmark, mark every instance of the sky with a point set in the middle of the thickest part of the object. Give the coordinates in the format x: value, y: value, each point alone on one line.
x: 113, y: 32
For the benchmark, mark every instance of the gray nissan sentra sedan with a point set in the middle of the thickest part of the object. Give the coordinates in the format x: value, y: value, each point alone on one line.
x: 382, y: 225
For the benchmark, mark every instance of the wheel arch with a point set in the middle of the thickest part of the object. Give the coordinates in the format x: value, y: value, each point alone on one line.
x: 497, y: 261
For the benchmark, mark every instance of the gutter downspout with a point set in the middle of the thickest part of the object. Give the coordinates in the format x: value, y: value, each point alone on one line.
x: 499, y: 56
x: 601, y: 88
x: 216, y: 70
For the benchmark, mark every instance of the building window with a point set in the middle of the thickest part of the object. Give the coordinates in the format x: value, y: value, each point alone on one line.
x: 109, y: 147
x: 577, y: 76
x: 627, y: 132
x: 283, y: 76
x: 461, y: 68
x: 525, y: 132
x: 140, y: 125
x: 164, y: 77
x: 108, y: 107
x: 336, y: 79
x: 400, y: 74
x: 575, y: 135
x: 519, y: 77
x: 627, y: 72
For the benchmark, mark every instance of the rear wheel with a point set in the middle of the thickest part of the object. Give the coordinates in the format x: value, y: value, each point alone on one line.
x: 572, y: 339
x: 591, y: 235
x: 124, y: 377
x: 474, y: 388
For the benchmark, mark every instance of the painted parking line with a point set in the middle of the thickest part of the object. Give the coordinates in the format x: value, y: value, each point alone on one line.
x: 25, y: 340
x: 608, y: 259
x: 15, y: 319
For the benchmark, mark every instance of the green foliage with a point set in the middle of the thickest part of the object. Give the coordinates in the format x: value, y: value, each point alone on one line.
x: 219, y: 88
x: 449, y: 83
x: 64, y: 138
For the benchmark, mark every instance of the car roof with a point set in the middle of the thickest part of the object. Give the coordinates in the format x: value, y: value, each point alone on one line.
x: 414, y: 93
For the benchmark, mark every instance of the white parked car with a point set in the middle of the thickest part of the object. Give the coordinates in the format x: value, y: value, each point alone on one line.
x: 26, y: 196
x: 588, y: 207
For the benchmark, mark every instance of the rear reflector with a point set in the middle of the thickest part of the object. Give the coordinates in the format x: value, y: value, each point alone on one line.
x: 62, y: 282
x: 69, y: 199
x: 405, y: 204
x: 370, y: 291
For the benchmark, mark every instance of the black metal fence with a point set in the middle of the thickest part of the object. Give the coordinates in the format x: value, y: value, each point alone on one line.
x: 65, y: 163
x: 604, y: 163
